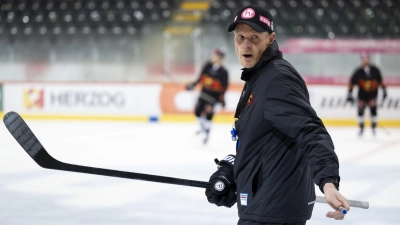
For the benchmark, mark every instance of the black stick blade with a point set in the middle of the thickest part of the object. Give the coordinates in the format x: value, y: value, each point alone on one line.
x: 24, y: 135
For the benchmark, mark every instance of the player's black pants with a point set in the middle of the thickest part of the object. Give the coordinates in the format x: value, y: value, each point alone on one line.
x: 200, y: 109
x: 246, y: 222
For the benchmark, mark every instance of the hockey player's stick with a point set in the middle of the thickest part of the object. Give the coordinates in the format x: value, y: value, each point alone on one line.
x: 28, y: 141
x: 384, y: 129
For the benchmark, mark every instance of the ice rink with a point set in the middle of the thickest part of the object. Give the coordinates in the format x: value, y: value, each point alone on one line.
x: 29, y: 194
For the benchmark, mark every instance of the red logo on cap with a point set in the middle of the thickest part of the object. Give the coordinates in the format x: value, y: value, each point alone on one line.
x: 248, y: 13
x: 265, y: 20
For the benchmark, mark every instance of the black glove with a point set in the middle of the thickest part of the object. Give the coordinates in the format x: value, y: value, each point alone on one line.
x: 222, y: 191
x: 384, y: 94
x: 223, y: 103
x: 350, y: 97
x: 190, y: 86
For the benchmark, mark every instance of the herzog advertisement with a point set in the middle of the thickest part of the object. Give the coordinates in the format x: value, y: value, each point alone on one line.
x: 97, y: 99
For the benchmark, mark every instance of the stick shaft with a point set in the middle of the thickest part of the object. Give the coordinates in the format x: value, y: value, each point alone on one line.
x: 353, y: 203
x: 44, y: 159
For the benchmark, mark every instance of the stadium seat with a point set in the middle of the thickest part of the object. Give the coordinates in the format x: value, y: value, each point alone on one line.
x: 50, y: 22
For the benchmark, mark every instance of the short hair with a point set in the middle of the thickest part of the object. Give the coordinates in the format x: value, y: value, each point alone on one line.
x: 220, y: 52
x: 364, y: 54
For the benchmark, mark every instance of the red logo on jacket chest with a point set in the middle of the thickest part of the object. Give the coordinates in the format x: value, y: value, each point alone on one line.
x: 251, y: 99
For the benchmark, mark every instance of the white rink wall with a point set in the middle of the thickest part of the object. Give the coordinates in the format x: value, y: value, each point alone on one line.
x: 156, y: 101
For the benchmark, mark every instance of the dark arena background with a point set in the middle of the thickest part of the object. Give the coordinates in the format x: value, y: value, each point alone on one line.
x: 102, y: 83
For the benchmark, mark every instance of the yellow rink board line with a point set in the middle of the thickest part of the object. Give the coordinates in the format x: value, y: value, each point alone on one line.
x: 82, y: 117
x: 345, y: 122
x: 182, y: 118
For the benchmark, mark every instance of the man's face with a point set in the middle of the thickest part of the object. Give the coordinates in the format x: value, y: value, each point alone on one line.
x: 365, y: 61
x: 250, y: 44
x: 215, y: 58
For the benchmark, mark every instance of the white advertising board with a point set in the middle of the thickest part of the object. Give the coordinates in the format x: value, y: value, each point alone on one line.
x: 93, y: 99
x: 330, y: 102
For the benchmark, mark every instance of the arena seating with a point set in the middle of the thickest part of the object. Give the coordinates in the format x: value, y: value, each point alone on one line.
x: 320, y: 18
x: 43, y: 29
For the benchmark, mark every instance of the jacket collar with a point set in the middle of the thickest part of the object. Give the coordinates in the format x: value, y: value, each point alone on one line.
x: 270, y: 53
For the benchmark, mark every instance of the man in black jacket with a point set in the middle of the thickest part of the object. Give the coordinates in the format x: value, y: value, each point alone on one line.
x: 283, y: 147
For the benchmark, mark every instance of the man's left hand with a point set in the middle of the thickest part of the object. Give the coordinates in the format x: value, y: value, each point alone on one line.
x: 335, y: 199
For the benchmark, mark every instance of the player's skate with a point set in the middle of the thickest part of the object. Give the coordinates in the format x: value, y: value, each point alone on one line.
x: 205, y: 140
x: 360, y: 133
x: 201, y: 130
x: 373, y: 128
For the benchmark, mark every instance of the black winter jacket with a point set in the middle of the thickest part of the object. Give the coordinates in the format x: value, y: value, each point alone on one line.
x: 283, y: 146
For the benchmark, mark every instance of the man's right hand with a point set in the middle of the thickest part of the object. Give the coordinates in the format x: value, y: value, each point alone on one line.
x: 222, y: 191
x: 335, y: 200
x: 350, y: 98
x: 190, y: 86
x: 384, y: 94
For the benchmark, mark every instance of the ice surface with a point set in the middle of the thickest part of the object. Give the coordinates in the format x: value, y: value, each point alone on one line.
x: 29, y: 194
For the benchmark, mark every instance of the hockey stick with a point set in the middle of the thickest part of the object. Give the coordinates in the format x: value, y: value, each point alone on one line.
x: 384, y: 129
x: 28, y: 141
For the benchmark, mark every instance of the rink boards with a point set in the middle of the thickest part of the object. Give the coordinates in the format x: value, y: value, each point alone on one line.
x: 164, y: 102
